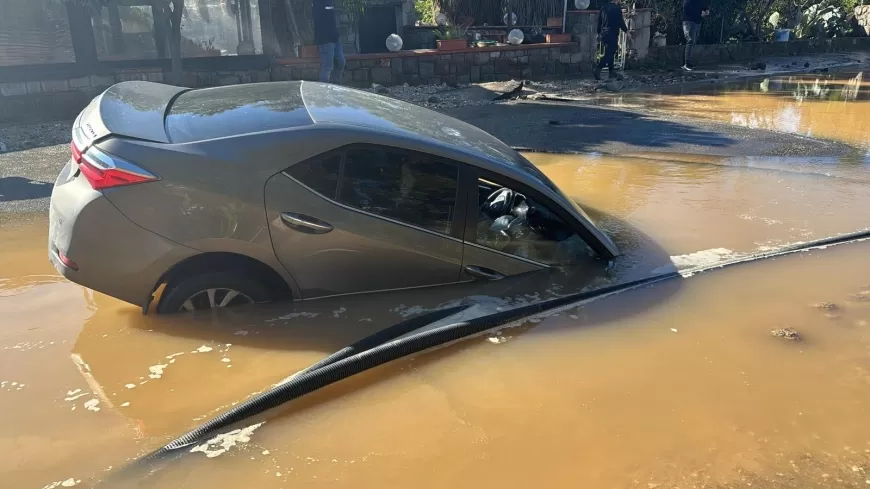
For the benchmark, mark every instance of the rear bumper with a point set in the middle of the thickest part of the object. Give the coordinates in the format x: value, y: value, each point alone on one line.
x: 112, y: 254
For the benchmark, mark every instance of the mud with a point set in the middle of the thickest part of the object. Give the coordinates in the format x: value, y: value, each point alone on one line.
x: 690, y: 383
x: 830, y: 106
x: 679, y: 384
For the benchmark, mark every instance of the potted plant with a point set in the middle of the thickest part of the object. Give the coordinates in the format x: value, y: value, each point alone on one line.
x: 451, y: 38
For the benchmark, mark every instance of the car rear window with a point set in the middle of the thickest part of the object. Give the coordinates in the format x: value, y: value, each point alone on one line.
x: 210, y: 113
x: 320, y: 174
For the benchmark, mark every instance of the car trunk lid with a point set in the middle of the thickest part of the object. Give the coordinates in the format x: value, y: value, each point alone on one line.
x: 133, y: 109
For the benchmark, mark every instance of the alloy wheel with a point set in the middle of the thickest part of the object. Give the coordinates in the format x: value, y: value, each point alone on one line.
x: 214, y: 298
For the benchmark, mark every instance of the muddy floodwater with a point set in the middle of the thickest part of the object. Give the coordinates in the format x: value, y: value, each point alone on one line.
x: 751, y: 376
x: 824, y: 105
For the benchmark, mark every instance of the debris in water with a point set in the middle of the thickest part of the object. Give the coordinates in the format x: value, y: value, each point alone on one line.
x: 674, y: 330
x: 224, y: 442
x: 786, y: 333
x: 828, y: 306
x: 93, y: 405
x: 75, y: 395
x: 125, y: 404
x: 130, y: 386
x: 156, y: 371
x: 241, y: 332
x: 225, y: 360
x: 265, y: 452
x: 203, y: 349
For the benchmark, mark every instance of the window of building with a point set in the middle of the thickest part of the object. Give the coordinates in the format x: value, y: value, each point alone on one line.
x: 409, y: 187
x: 221, y: 28
x: 125, y: 30
x: 320, y: 175
x: 34, y: 32
x: 514, y: 223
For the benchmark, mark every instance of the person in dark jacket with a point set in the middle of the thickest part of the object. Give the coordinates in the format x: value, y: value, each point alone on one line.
x: 693, y: 12
x: 327, y: 40
x: 610, y: 22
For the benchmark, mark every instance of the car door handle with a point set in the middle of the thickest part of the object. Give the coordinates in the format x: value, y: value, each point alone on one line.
x: 483, y: 272
x: 305, y: 224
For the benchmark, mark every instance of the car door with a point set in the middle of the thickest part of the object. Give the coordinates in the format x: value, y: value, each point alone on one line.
x: 367, y: 218
x: 500, y: 243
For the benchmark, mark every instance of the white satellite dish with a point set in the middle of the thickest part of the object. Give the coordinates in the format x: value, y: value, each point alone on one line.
x: 441, y: 19
x: 581, y: 4
x: 513, y: 19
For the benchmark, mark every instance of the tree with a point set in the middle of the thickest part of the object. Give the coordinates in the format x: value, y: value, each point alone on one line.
x: 169, y: 14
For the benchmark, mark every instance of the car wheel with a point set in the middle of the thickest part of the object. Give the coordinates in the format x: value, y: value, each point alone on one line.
x: 209, y: 291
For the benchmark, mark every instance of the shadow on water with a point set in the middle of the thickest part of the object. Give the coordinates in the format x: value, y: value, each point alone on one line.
x: 20, y: 188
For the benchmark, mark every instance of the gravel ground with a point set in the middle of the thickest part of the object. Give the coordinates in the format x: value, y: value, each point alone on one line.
x: 444, y: 96
x: 17, y: 137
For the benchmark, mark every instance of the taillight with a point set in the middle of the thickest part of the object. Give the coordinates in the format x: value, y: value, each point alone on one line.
x: 104, y: 171
x: 66, y: 261
x: 76, y: 152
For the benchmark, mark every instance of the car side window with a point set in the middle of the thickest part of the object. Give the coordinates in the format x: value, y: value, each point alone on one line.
x: 410, y: 187
x: 514, y: 223
x: 319, y: 174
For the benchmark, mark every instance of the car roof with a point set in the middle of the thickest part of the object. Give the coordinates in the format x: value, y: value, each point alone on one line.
x: 240, y: 110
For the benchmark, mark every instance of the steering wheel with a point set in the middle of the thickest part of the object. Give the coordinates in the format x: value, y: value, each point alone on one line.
x: 499, y: 203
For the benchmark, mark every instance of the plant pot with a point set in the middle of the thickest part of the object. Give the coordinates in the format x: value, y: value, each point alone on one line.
x: 309, y: 51
x: 451, y: 44
x: 781, y: 35
x: 558, y: 38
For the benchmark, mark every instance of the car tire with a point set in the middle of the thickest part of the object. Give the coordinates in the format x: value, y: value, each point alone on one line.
x: 214, y: 289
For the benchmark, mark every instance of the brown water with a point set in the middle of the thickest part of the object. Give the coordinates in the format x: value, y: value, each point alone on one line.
x: 676, y: 385
x: 830, y: 106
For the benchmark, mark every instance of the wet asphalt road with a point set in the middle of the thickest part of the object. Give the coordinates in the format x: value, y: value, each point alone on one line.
x: 27, y: 176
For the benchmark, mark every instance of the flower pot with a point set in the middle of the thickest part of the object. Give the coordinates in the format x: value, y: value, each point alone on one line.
x: 781, y: 35
x: 451, y: 44
x: 554, y: 38
x: 309, y: 51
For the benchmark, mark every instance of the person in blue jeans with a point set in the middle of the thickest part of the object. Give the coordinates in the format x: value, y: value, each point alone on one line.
x: 693, y: 12
x: 327, y: 40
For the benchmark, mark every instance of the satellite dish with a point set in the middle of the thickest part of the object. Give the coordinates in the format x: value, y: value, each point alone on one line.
x: 441, y: 19
x: 394, y: 43
x: 513, y: 19
x: 581, y: 4
x: 515, y: 37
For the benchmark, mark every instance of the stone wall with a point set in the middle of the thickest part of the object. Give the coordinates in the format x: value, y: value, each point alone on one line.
x: 63, y: 98
x: 672, y: 56
x: 435, y: 67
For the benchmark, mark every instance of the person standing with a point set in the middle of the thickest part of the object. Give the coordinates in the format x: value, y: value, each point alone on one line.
x: 693, y: 12
x: 610, y: 22
x: 327, y: 40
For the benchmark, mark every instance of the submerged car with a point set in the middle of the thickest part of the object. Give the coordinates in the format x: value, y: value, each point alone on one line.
x: 296, y: 190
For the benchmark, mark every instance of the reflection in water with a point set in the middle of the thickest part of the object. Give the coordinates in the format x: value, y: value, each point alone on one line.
x: 830, y: 106
x: 677, y: 385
